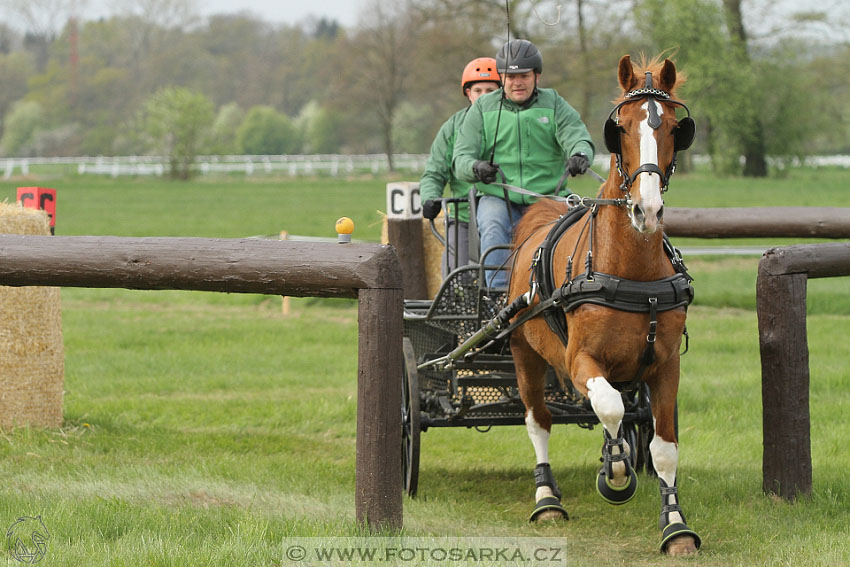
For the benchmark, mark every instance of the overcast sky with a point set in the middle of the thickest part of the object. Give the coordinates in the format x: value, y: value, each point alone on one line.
x: 277, y: 11
x: 289, y: 11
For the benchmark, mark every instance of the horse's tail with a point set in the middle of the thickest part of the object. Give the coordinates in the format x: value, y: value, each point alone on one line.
x: 538, y: 215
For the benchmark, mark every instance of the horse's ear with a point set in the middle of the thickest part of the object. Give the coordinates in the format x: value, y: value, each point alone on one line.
x: 668, y: 76
x: 626, y: 73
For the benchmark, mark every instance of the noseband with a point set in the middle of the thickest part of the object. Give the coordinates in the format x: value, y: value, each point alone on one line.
x: 683, y: 134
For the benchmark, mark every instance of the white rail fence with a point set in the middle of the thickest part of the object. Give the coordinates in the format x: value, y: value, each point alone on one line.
x: 292, y: 165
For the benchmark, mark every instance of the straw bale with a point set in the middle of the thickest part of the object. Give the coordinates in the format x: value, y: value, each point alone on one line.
x: 433, y: 251
x: 433, y: 254
x: 32, y: 368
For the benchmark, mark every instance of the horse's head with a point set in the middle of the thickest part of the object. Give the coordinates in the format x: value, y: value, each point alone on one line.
x: 643, y: 135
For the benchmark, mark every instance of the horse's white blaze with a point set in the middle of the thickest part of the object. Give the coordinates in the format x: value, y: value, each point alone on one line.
x: 665, y: 458
x: 539, y: 438
x: 650, y: 183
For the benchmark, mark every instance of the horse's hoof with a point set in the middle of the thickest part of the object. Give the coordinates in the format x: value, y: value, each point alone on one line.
x: 679, y: 539
x: 548, y: 509
x: 616, y: 494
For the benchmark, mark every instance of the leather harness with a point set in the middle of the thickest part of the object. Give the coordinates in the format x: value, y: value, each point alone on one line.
x: 603, y: 289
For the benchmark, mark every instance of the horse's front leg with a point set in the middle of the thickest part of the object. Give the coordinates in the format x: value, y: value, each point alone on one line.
x: 616, y: 481
x: 676, y: 537
x: 531, y: 373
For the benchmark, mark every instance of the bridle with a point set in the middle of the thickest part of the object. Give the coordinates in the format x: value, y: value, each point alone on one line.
x: 683, y: 133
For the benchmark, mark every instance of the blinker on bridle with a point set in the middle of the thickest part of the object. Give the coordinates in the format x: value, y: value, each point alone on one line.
x: 683, y: 134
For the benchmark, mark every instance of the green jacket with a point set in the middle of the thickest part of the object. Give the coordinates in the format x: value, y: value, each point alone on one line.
x: 535, y: 141
x: 438, y: 169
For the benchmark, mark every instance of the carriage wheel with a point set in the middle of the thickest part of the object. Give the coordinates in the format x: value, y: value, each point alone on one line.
x: 630, y: 435
x: 410, y: 421
x: 643, y: 457
x: 645, y: 433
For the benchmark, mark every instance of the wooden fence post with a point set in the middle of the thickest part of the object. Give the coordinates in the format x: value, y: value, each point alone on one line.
x: 781, y: 303
x: 378, y: 491
x: 404, y: 232
x: 787, y: 454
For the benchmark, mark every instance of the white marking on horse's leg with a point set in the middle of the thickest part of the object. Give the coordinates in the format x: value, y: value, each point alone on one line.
x: 665, y: 457
x: 608, y: 405
x: 650, y: 183
x: 540, y: 439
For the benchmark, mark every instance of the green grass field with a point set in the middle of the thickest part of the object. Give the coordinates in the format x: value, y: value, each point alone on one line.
x: 206, y: 429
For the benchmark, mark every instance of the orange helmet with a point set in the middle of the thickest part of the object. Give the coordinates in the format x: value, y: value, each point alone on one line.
x: 478, y: 71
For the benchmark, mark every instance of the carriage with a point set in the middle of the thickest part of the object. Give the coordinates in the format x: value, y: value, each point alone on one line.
x: 590, y: 334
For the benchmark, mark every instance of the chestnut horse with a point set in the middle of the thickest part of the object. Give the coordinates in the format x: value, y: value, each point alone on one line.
x: 606, y: 345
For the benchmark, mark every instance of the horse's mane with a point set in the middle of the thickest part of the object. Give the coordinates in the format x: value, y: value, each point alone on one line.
x: 653, y: 65
x: 537, y: 215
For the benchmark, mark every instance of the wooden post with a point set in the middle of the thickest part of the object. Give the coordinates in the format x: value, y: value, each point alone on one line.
x: 370, y: 272
x: 404, y: 232
x: 378, y: 481
x: 781, y: 303
x: 787, y: 455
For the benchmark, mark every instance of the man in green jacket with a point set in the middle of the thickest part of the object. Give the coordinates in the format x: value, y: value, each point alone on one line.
x: 538, y: 137
x: 479, y: 77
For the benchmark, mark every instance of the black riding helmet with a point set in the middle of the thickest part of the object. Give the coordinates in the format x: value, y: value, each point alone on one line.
x: 519, y: 56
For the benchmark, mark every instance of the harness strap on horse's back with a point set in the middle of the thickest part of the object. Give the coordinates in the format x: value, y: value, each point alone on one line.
x: 543, y: 270
x: 603, y: 289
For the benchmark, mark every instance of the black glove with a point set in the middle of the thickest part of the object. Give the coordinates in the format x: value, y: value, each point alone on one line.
x: 485, y: 171
x: 578, y: 164
x: 431, y: 208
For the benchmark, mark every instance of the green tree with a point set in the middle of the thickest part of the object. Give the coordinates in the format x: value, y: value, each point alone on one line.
x: 14, y: 73
x: 24, y: 120
x: 178, y: 121
x: 265, y: 131
x: 223, y: 138
x: 379, y: 69
x: 717, y: 85
x: 319, y: 128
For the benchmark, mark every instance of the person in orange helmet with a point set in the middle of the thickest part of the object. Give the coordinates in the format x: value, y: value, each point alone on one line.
x: 479, y: 77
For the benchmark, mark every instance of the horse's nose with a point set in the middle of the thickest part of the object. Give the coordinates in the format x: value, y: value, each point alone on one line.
x: 639, y: 218
x: 638, y: 214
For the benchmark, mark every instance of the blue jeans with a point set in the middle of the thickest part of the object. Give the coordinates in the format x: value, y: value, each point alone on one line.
x: 495, y: 228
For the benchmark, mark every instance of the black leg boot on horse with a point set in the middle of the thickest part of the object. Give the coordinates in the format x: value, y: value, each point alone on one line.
x: 608, y: 488
x: 548, y: 507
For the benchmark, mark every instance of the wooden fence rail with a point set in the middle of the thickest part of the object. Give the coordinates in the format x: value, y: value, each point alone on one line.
x: 781, y: 303
x: 758, y: 222
x: 369, y: 272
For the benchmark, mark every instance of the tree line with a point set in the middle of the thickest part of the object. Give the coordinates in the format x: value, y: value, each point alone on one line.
x: 140, y: 82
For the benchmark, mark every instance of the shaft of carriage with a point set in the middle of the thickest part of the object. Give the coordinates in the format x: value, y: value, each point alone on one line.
x: 497, y: 327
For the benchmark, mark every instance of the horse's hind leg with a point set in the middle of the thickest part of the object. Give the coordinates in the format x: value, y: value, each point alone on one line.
x: 676, y: 537
x: 531, y: 371
x: 616, y: 481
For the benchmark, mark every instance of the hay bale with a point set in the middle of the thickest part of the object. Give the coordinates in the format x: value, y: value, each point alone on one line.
x: 32, y: 359
x: 433, y: 252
